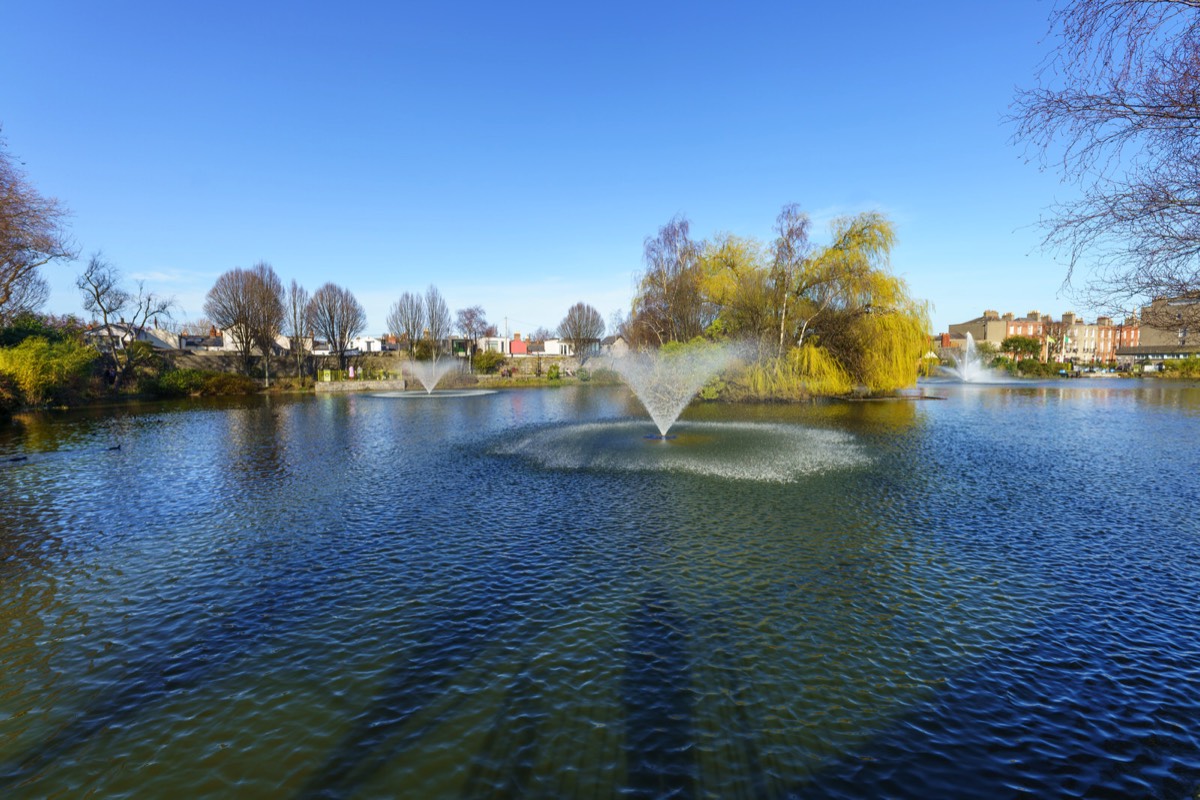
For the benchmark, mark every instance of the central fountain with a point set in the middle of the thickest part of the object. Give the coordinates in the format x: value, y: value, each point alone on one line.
x: 429, y: 373
x: 665, y: 381
x: 970, y: 368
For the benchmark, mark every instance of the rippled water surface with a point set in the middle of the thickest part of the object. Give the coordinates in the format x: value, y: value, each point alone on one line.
x: 989, y: 594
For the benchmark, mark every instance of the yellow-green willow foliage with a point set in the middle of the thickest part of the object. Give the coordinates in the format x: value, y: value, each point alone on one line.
x: 804, y: 372
x: 43, y: 370
x: 827, y: 319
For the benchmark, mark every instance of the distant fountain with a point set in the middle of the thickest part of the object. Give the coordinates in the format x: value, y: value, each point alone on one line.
x: 666, y: 382
x: 969, y: 367
x: 430, y: 372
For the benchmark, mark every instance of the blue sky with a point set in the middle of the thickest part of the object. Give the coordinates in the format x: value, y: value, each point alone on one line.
x: 517, y: 155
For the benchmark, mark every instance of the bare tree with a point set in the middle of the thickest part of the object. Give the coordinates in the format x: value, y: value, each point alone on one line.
x: 541, y: 335
x: 266, y: 311
x: 228, y: 305
x: 28, y: 293
x: 124, y: 315
x: 670, y: 306
x: 296, y: 322
x: 247, y: 304
x: 199, y: 326
x: 335, y: 314
x: 1116, y: 110
x: 31, y: 233
x: 406, y: 319
x: 791, y: 275
x: 437, y: 320
x: 473, y: 324
x: 582, y: 327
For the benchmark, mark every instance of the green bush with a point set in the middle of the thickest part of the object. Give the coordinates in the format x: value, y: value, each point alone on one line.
x: 10, y: 394
x: 178, y: 383
x: 28, y: 325
x: 221, y: 383
x: 48, y: 372
x: 552, y: 373
x: 714, y: 389
x: 488, y: 361
x: 202, y: 383
x: 583, y: 375
x: 1184, y: 367
x: 605, y: 375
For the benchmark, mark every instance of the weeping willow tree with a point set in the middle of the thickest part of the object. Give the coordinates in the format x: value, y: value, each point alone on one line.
x: 828, y: 319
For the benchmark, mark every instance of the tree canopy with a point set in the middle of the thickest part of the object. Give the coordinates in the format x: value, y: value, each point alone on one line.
x: 582, y: 327
x: 335, y: 314
x: 826, y: 318
x: 248, y: 305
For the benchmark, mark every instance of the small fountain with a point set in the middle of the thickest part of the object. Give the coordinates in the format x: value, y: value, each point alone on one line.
x: 666, y: 381
x: 430, y: 372
x: 969, y: 367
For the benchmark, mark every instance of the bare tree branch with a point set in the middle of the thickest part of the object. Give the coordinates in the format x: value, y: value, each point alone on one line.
x: 32, y: 233
x: 1117, y: 112
x: 122, y: 313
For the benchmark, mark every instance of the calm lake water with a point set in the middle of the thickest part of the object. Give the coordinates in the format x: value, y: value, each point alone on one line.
x: 991, y: 594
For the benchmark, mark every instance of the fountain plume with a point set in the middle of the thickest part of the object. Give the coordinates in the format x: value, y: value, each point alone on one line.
x: 666, y: 380
x: 430, y: 372
x: 968, y: 367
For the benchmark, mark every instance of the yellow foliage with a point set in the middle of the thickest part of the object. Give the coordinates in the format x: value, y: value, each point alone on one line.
x: 820, y: 372
x: 827, y: 320
x: 40, y: 368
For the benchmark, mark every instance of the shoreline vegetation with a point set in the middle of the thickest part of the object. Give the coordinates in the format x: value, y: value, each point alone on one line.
x: 43, y: 374
x: 809, y: 318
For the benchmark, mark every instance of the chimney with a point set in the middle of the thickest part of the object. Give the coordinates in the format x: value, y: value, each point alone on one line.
x: 990, y: 314
x: 1034, y: 315
x: 517, y: 336
x: 1068, y: 318
x: 1008, y: 317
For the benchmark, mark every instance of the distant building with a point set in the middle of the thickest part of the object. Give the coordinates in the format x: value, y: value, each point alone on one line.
x: 1070, y: 339
x: 366, y: 344
x: 993, y: 328
x: 119, y: 335
x: 558, y: 347
x: 204, y: 341
x: 1169, y: 329
x: 492, y: 344
x: 614, y: 346
x: 518, y: 347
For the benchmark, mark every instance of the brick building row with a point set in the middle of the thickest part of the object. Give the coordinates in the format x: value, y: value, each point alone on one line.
x: 1165, y: 329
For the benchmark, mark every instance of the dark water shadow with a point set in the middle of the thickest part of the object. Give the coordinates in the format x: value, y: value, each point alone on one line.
x: 456, y: 638
x: 657, y: 693
x: 161, y: 673
x: 1084, y: 707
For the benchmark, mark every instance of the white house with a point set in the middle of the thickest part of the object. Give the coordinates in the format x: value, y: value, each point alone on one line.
x: 366, y: 344
x: 121, y: 334
x: 558, y: 347
x: 493, y: 344
x: 561, y: 347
